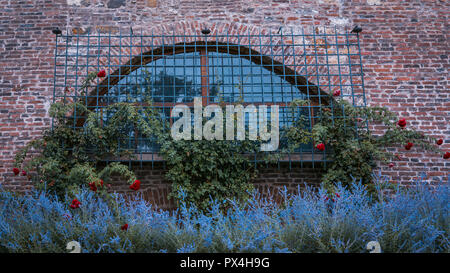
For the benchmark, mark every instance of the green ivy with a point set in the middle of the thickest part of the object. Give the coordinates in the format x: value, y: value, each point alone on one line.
x: 67, y: 159
x: 201, y: 170
x: 64, y: 159
x: 353, y: 149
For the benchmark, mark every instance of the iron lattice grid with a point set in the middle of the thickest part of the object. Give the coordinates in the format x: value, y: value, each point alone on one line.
x: 280, y: 66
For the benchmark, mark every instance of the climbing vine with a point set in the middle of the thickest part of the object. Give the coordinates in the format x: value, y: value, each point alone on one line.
x: 343, y: 133
x: 65, y: 159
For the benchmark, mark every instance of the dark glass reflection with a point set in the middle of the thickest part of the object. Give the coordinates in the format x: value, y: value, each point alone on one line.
x: 177, y: 79
x: 170, y: 79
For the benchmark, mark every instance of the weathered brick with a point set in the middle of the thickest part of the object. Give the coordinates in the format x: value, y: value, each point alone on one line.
x: 152, y: 3
x: 403, y: 45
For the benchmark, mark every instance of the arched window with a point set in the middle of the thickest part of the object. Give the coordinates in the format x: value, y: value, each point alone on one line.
x: 227, y: 64
x: 215, y: 76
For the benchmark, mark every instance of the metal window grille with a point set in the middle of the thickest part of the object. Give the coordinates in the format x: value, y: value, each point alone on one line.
x: 254, y: 68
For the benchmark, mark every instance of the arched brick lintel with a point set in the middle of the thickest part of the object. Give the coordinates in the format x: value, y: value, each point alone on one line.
x: 245, y: 52
x: 236, y: 38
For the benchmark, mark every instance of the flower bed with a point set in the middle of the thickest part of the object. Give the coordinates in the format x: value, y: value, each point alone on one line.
x: 413, y: 220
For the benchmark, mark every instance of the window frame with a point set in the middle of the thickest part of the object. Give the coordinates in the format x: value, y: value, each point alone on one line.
x: 235, y: 50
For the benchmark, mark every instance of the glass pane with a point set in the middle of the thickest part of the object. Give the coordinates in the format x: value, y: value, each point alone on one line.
x: 235, y: 79
x: 177, y: 79
x: 173, y: 78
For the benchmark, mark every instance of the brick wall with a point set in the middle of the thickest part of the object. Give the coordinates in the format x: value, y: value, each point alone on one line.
x: 404, y: 46
x: 268, y: 182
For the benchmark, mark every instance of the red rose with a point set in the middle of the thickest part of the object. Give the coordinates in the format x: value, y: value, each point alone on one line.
x: 439, y: 141
x: 101, y: 74
x: 447, y: 155
x: 391, y: 165
x: 16, y: 171
x: 326, y: 198
x: 408, y: 146
x: 402, y: 123
x: 24, y: 173
x: 124, y: 227
x: 337, y: 195
x: 136, y: 185
x: 75, y: 204
x: 337, y: 93
x: 320, y: 146
x: 93, y: 186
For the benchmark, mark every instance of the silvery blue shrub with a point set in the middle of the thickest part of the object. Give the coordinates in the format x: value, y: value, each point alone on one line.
x: 407, y: 220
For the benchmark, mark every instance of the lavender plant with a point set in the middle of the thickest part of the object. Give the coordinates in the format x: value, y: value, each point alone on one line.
x: 408, y: 220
